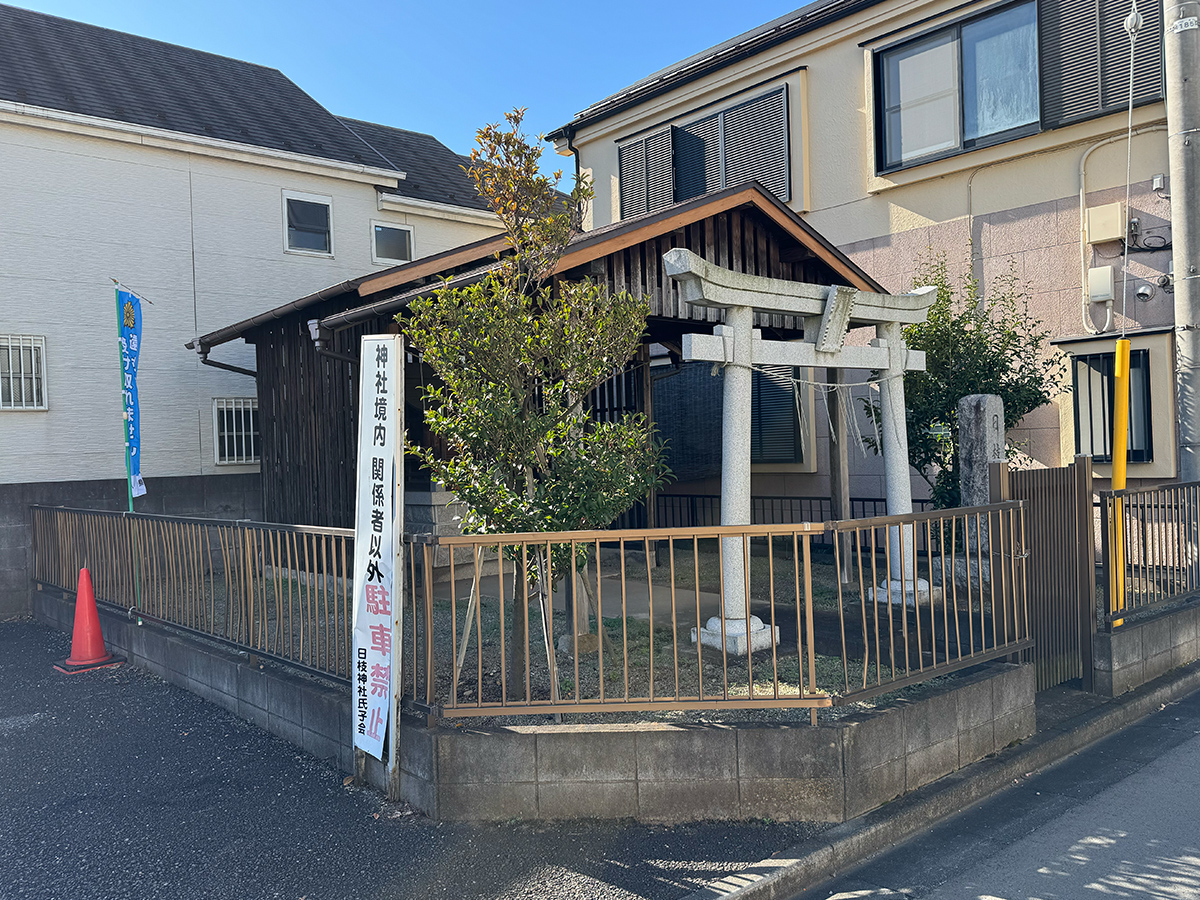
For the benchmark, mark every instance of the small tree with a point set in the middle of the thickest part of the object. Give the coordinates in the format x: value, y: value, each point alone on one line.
x: 974, y: 344
x: 516, y: 355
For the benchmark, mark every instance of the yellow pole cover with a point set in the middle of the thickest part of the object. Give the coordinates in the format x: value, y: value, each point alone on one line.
x: 1120, y: 454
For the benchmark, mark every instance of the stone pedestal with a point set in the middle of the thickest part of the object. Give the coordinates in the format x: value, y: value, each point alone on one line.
x: 738, y: 640
x: 910, y: 593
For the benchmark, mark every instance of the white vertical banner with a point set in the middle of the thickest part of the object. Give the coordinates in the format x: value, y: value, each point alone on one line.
x: 378, y: 526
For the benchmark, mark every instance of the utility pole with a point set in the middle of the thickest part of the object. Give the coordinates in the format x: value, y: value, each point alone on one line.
x: 1181, y: 40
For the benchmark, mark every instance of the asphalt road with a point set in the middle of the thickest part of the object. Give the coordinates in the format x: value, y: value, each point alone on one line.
x: 115, y: 784
x: 1120, y: 819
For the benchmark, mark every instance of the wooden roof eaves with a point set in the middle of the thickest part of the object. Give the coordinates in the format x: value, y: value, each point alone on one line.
x: 591, y: 246
x: 431, y: 266
x: 751, y: 193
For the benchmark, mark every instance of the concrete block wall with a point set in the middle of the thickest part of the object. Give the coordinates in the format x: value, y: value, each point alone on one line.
x: 1139, y: 652
x: 679, y: 773
x: 235, y: 496
x: 655, y: 772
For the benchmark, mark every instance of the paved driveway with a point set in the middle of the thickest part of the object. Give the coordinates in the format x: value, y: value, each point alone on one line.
x: 1120, y: 819
x: 115, y: 784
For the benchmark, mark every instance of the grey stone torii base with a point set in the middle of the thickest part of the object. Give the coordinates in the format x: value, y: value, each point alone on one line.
x: 828, y: 312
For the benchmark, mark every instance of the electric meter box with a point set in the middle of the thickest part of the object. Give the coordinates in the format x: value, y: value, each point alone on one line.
x: 1105, y: 223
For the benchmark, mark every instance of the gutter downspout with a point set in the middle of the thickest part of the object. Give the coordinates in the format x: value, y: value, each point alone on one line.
x: 321, y: 337
x: 205, y: 361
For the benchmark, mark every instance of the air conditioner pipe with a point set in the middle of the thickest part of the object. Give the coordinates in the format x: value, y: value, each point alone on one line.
x: 1083, y: 260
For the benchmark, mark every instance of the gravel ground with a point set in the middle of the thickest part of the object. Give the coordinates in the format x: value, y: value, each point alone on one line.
x: 119, y: 785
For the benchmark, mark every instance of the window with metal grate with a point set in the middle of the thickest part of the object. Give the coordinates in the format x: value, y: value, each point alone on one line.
x: 1094, y: 390
x: 22, y: 372
x: 235, y: 431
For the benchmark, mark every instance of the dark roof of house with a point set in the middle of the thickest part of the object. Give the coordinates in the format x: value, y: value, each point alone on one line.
x: 435, y: 172
x: 786, y: 27
x: 71, y: 66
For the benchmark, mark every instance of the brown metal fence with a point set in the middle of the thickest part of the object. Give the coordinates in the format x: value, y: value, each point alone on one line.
x: 956, y: 583
x: 492, y: 627
x: 281, y: 591
x: 505, y: 633
x: 1061, y: 565
x: 1155, y: 557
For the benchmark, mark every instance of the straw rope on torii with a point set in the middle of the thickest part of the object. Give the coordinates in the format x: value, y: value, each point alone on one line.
x: 828, y: 312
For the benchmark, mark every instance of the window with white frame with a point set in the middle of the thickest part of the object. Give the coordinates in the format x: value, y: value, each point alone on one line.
x: 22, y: 372
x: 308, y: 223
x: 235, y: 431
x: 390, y: 243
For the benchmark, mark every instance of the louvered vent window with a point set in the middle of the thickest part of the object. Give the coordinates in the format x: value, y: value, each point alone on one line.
x: 743, y: 143
x: 774, y: 425
x: 646, y: 176
x: 1085, y: 58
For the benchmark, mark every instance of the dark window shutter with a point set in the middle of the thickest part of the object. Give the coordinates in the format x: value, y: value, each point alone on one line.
x: 660, y: 180
x: 645, y: 170
x: 1114, y: 51
x: 756, y: 143
x: 631, y: 166
x: 1067, y: 41
x: 1085, y: 58
x: 775, y: 432
x: 697, y: 158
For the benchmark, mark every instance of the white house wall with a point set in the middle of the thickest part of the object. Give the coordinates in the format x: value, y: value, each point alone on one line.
x: 201, y: 238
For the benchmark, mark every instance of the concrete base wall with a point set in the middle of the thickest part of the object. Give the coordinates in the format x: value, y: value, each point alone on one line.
x: 216, y: 496
x: 680, y: 773
x: 1140, y: 652
x: 650, y: 771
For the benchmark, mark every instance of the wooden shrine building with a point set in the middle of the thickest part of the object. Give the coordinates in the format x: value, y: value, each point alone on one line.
x: 306, y: 350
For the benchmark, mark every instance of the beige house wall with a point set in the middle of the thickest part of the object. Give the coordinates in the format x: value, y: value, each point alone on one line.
x: 1014, y: 204
x: 200, y: 236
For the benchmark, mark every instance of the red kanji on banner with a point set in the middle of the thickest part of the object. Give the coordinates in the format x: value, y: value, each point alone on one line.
x: 381, y: 638
x: 381, y: 679
x: 376, y: 721
x: 378, y: 601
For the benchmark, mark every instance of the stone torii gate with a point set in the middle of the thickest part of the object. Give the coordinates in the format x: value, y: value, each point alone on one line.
x: 828, y: 312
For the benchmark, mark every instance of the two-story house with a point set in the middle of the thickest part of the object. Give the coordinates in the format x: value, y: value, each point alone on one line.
x: 994, y: 131
x: 215, y: 189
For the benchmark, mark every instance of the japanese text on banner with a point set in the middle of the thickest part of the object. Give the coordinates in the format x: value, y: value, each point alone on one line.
x: 129, y: 323
x: 376, y: 541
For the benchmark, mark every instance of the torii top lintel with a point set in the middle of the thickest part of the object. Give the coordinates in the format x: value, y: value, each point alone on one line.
x: 704, y: 284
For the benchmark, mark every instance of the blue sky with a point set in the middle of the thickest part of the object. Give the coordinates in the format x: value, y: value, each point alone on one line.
x: 442, y: 68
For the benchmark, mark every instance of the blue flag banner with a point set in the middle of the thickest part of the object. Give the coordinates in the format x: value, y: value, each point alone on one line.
x: 129, y: 322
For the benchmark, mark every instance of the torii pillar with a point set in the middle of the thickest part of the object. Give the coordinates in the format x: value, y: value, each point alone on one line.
x: 828, y: 313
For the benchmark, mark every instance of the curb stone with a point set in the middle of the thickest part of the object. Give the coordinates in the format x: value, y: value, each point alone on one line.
x: 811, y: 863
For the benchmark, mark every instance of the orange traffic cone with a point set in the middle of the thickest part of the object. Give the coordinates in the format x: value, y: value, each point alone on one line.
x: 87, y: 643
